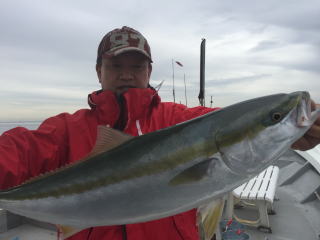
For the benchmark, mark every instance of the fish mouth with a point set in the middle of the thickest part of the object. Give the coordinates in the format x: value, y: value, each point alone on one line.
x: 305, y: 116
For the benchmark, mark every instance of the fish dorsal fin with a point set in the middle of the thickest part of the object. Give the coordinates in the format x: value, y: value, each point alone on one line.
x: 66, y: 231
x: 193, y: 174
x: 107, y: 139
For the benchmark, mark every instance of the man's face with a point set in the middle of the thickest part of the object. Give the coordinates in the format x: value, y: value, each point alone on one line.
x: 127, y: 70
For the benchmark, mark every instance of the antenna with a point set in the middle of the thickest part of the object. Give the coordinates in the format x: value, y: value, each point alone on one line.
x: 202, y: 72
x: 185, y: 88
x: 173, y: 92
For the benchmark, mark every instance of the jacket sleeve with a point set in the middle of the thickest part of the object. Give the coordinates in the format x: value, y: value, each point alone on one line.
x: 26, y: 153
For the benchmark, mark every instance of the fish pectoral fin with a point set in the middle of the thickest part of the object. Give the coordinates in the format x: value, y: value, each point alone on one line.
x: 192, y: 174
x: 107, y: 139
x: 67, y: 231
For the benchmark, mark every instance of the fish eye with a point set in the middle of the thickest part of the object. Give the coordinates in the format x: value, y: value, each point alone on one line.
x: 276, y: 116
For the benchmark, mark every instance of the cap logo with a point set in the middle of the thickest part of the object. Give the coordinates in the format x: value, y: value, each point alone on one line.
x: 120, y: 40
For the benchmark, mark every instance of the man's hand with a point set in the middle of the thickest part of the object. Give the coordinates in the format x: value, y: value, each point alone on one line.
x: 312, y: 137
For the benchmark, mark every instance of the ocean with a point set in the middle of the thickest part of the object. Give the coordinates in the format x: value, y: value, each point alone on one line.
x: 4, y: 126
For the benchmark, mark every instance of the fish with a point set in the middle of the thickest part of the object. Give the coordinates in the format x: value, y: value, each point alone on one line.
x: 127, y: 179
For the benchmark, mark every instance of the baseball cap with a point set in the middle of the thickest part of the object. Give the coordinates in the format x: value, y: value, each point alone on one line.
x: 121, y: 40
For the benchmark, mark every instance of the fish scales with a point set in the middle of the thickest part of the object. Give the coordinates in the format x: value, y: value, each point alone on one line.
x: 75, y: 180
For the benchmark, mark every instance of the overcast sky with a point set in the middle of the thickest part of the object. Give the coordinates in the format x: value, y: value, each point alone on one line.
x: 253, y: 48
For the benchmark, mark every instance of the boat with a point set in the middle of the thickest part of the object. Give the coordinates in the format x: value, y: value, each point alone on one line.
x: 296, y: 204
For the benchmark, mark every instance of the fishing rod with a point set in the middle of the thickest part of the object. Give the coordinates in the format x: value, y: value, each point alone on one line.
x: 173, y: 89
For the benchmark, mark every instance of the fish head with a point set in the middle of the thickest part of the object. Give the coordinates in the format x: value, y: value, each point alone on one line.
x: 262, y: 129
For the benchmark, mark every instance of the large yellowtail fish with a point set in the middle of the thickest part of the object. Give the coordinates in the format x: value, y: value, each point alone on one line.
x: 135, y: 179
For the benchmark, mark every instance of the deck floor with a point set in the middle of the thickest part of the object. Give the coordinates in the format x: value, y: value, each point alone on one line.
x: 293, y: 220
x: 29, y: 232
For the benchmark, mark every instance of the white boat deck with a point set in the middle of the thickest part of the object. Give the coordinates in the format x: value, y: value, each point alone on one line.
x: 296, y: 204
x: 29, y: 232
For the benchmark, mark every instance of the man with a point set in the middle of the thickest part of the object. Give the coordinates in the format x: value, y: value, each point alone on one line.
x: 126, y: 102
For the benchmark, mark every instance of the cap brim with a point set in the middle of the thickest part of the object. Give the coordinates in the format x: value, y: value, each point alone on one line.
x: 124, y: 50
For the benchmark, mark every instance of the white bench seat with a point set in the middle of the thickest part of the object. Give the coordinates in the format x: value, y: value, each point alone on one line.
x: 259, y: 191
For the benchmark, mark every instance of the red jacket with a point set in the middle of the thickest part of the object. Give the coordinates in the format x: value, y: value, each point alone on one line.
x: 66, y: 138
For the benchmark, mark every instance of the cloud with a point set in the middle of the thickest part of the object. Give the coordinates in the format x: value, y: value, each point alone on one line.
x: 48, y: 49
x: 236, y: 80
x: 266, y: 45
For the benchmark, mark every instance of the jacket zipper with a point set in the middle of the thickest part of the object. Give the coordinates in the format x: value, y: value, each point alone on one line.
x: 124, y: 232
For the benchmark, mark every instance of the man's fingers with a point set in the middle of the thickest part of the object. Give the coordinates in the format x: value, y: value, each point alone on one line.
x: 314, y: 131
x: 305, y: 143
x: 301, y: 144
x: 317, y: 122
x: 313, y: 105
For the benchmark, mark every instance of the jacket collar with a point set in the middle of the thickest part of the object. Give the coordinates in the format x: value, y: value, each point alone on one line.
x: 139, y: 103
